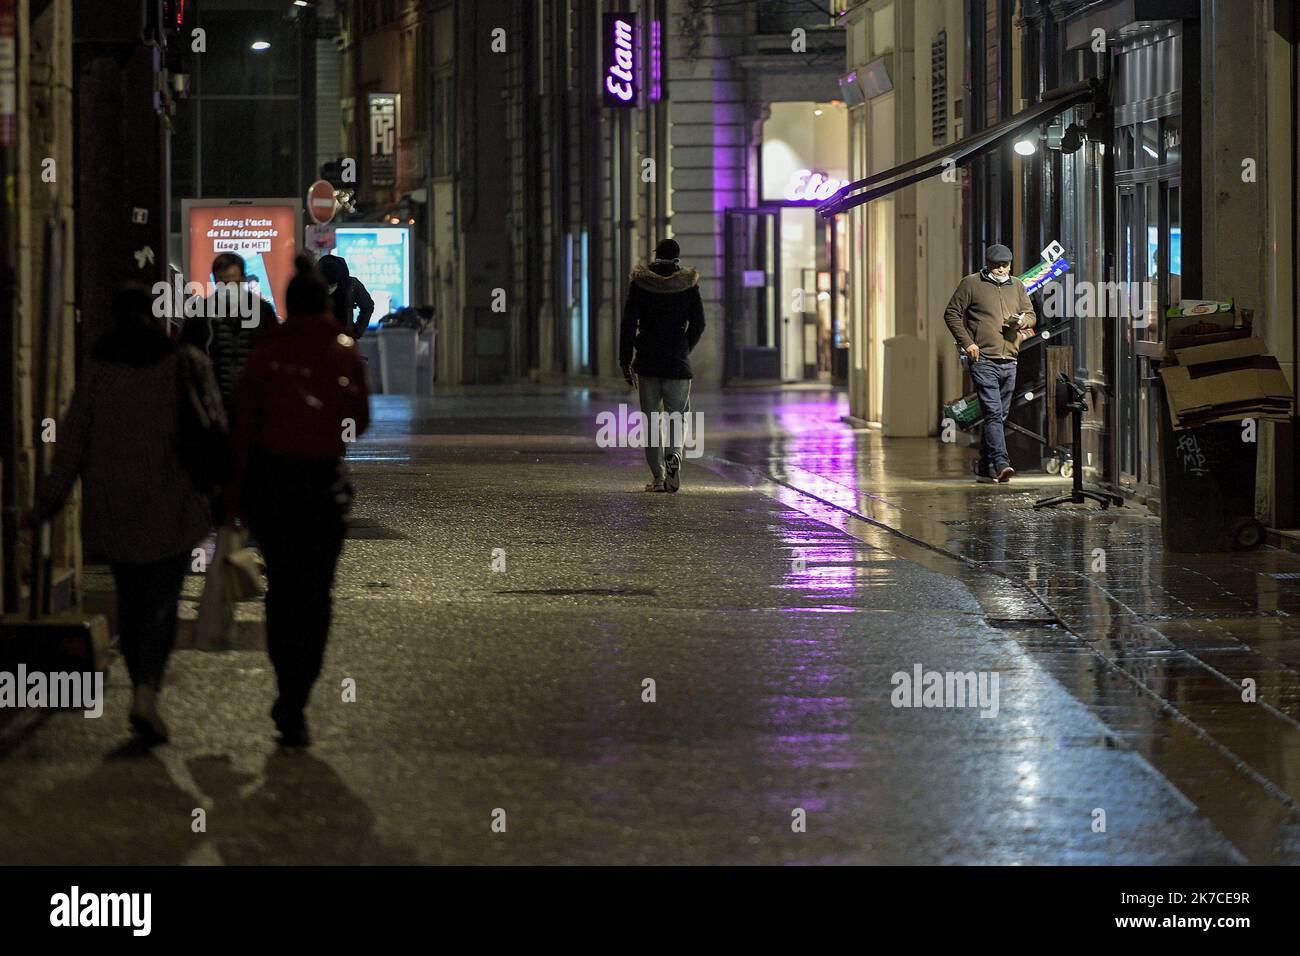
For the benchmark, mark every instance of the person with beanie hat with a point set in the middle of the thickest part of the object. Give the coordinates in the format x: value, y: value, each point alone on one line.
x: 989, y: 315
x: 301, y: 399
x: 663, y: 320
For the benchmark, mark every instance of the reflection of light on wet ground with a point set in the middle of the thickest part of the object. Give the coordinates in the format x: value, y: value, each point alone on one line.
x: 377, y: 456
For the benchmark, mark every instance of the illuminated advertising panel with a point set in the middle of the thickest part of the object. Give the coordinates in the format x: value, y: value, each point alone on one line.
x: 380, y: 256
x: 263, y: 231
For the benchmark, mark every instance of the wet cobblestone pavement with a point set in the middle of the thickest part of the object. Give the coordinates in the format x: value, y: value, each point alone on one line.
x: 1183, y: 630
x: 772, y: 601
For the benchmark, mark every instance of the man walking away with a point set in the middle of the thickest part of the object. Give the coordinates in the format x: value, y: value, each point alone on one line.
x: 227, y: 341
x: 347, y: 295
x: 663, y: 320
x: 302, y: 396
x: 990, y: 315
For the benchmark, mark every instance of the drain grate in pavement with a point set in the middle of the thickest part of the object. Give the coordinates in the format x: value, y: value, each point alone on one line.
x: 1201, y: 615
x: 585, y: 592
x: 373, y: 531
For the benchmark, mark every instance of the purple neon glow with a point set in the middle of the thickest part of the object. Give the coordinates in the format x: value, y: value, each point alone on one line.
x: 656, y: 61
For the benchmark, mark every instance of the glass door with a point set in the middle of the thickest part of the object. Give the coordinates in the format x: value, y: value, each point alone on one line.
x: 752, y: 255
x: 1130, y: 261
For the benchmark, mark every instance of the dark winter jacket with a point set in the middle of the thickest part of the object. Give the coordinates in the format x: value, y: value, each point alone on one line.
x: 663, y: 320
x: 227, y: 343
x: 978, y: 311
x: 120, y: 437
x: 301, y: 393
x: 348, y: 296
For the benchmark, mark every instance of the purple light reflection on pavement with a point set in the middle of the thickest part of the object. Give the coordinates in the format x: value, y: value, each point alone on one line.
x: 826, y: 751
x: 808, y: 719
x: 820, y: 447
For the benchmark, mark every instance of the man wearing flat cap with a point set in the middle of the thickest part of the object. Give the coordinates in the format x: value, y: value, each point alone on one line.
x: 990, y: 315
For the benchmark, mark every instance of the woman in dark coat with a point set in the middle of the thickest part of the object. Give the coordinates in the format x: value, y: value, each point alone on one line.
x: 141, y: 509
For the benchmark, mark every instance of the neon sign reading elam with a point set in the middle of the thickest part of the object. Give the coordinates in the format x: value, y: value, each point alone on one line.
x: 619, y: 82
x: 808, y: 186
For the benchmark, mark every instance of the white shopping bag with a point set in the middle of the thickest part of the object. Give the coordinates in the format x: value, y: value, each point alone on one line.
x: 213, y: 627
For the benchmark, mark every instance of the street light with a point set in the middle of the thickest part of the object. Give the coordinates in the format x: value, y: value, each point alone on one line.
x: 260, y: 46
x: 1027, y: 146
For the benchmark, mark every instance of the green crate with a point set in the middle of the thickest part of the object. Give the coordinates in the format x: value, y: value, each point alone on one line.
x: 965, y: 411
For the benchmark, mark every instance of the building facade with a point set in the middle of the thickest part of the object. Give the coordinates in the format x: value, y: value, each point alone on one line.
x: 1067, y: 122
x: 535, y: 190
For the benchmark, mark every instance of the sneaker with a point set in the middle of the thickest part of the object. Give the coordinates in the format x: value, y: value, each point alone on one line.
x: 655, y: 486
x: 984, y: 479
x: 673, y: 481
x: 1006, y: 474
x: 292, y: 726
x: 145, y: 719
x: 295, y: 736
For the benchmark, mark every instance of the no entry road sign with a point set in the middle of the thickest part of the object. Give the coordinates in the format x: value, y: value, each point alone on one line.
x: 320, y: 201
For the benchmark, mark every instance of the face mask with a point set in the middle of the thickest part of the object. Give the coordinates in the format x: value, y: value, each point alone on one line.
x: 1000, y: 280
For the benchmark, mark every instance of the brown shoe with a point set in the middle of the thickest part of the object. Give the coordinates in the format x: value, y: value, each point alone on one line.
x: 1006, y: 474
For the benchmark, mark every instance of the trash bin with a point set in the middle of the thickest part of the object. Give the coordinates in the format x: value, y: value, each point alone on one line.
x: 1207, y: 487
x: 397, y: 360
x: 908, y: 385
x: 368, y: 346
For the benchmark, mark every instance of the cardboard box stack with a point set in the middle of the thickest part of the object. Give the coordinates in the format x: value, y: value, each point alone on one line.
x: 1215, y: 370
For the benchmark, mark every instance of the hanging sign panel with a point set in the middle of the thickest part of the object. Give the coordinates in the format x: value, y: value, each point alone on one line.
x: 620, y: 76
x: 383, y: 139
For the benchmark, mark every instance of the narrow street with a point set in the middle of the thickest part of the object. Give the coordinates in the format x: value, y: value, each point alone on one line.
x: 771, y: 601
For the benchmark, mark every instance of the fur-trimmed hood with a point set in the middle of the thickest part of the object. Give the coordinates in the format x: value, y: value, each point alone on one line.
x: 654, y: 280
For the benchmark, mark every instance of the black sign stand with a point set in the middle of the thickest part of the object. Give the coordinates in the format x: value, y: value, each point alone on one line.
x: 1070, y: 396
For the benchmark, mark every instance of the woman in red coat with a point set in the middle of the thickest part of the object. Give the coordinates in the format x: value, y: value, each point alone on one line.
x: 302, y: 398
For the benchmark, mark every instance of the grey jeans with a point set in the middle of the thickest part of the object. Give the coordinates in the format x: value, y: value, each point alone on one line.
x: 667, y: 395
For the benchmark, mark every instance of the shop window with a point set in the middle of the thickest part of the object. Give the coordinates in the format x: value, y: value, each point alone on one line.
x: 263, y: 153
x: 1171, y: 139
x: 1149, y: 142
x: 230, y: 69
x: 1124, y: 137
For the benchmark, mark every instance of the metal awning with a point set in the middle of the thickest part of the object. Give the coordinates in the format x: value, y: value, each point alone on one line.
x: 1054, y: 103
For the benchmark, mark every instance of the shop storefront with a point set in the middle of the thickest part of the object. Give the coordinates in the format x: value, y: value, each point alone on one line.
x: 785, y: 273
x: 1147, y: 111
x: 1119, y: 215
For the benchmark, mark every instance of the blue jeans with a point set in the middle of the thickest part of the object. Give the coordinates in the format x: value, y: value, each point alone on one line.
x: 668, y: 395
x: 995, y: 384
